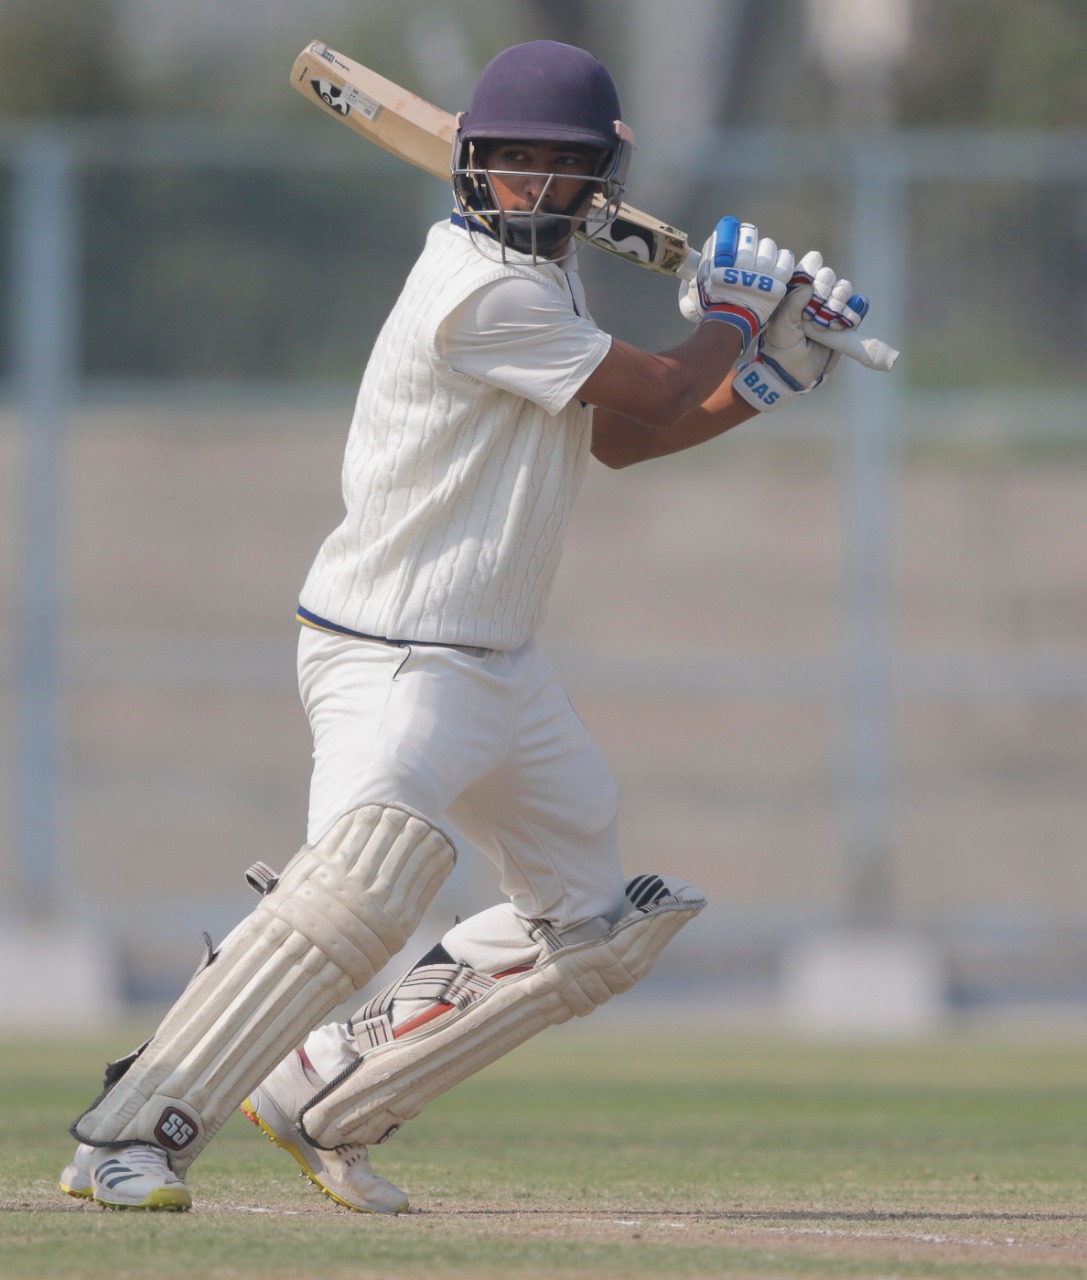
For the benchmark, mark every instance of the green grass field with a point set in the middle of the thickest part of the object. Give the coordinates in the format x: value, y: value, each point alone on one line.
x: 591, y: 1153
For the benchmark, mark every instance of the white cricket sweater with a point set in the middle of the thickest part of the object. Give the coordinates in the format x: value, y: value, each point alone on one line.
x: 458, y: 490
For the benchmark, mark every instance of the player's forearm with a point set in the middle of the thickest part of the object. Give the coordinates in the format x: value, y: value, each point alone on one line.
x: 621, y: 442
x: 640, y: 396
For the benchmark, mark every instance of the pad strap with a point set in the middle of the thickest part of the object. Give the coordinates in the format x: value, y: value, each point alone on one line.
x: 455, y: 985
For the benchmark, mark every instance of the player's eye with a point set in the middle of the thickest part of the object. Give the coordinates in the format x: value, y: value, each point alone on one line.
x: 512, y: 158
x: 576, y: 162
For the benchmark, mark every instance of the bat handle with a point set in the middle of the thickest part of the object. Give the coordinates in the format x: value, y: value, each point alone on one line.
x: 872, y: 353
x: 690, y: 265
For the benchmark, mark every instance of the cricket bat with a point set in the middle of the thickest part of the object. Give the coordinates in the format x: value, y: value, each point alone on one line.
x: 420, y: 133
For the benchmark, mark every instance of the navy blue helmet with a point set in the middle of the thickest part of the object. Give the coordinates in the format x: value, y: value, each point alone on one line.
x: 542, y: 91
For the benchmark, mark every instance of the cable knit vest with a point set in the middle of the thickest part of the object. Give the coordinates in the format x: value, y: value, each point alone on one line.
x: 457, y: 493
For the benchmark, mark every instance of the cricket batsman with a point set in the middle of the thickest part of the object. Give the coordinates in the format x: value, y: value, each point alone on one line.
x: 436, y: 719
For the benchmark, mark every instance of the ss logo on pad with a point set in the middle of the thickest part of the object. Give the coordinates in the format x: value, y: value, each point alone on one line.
x: 175, y: 1129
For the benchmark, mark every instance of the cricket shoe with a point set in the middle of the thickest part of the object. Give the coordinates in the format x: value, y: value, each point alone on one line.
x: 134, y: 1177
x: 344, y: 1174
x: 76, y: 1178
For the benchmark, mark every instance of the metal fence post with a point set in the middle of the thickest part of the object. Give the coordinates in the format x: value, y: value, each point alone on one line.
x: 45, y: 329
x: 880, y: 231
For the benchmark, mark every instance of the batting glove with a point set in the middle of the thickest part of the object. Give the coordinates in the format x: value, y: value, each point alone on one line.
x: 787, y: 362
x: 740, y: 280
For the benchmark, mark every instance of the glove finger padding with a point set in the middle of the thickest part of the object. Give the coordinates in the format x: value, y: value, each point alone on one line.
x: 733, y: 244
x: 834, y: 305
x: 772, y: 262
x: 807, y: 268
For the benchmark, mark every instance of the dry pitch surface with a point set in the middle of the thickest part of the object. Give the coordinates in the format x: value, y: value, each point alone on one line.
x: 590, y: 1153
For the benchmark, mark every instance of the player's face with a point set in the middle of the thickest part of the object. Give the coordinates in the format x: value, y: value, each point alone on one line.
x: 542, y: 177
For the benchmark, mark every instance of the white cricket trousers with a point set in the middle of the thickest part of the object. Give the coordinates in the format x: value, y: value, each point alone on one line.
x: 484, y: 741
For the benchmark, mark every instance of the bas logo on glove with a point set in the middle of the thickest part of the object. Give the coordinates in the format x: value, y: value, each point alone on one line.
x: 749, y: 279
x: 758, y: 387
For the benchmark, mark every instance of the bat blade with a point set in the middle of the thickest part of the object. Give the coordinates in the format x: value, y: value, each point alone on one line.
x: 421, y: 134
x: 405, y: 125
x: 643, y: 240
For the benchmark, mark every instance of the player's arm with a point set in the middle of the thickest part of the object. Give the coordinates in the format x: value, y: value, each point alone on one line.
x: 648, y: 405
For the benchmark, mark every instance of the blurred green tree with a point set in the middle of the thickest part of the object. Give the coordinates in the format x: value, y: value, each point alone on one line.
x: 971, y: 62
x: 981, y: 63
x: 997, y: 63
x: 57, y: 59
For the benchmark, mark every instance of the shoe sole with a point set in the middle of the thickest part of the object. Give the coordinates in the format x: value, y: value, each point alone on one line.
x: 292, y: 1149
x: 165, y: 1200
x: 78, y: 1193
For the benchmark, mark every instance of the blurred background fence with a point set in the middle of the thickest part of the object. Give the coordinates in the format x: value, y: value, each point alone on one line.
x: 838, y: 660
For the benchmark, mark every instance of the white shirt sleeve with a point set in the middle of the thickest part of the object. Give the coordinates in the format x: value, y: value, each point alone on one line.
x: 519, y: 335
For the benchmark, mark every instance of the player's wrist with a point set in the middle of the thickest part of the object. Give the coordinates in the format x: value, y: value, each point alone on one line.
x: 746, y: 322
x: 718, y: 342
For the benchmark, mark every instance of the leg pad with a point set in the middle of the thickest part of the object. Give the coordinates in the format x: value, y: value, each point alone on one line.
x: 341, y: 909
x: 579, y: 971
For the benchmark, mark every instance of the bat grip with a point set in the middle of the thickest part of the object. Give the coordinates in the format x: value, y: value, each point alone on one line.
x: 690, y: 265
x: 872, y: 353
